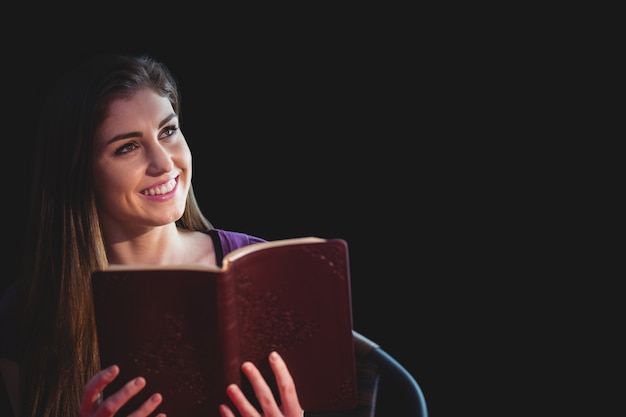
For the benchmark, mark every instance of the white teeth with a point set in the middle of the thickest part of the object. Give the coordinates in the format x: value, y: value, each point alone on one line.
x: 164, y: 189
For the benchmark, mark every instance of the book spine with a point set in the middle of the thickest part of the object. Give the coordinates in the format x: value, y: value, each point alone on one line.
x: 228, y: 330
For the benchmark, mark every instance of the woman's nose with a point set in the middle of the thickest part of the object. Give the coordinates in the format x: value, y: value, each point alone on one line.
x: 160, y: 160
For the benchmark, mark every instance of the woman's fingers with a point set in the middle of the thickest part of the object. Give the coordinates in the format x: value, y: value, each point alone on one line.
x: 92, y: 393
x: 246, y: 409
x: 286, y: 386
x: 262, y: 390
x: 225, y: 411
x: 148, y: 406
x: 115, y: 401
x: 94, y: 405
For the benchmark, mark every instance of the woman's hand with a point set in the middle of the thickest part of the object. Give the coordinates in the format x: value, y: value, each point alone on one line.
x: 286, y: 388
x: 94, y: 406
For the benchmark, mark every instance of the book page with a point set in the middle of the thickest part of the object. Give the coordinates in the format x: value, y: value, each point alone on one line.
x: 238, y: 253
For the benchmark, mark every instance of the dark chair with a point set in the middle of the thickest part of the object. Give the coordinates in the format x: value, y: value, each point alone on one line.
x: 376, y: 369
x: 403, y: 395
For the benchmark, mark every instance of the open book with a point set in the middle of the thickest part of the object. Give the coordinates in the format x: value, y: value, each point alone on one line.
x: 188, y: 329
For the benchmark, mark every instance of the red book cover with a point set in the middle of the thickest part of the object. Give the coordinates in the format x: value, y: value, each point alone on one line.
x: 187, y: 329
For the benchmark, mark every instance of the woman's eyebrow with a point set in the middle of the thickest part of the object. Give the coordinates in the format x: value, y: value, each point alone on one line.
x: 123, y: 136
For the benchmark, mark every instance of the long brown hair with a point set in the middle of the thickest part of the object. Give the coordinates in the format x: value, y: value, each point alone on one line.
x: 64, y: 243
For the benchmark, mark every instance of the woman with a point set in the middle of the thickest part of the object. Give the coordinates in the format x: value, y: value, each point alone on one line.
x: 112, y: 186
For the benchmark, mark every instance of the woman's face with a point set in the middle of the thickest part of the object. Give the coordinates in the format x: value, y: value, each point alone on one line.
x: 142, y: 164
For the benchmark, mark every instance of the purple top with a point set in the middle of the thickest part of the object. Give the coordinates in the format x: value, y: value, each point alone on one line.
x: 223, y: 240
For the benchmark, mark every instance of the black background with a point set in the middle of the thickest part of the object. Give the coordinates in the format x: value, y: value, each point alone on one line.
x: 356, y: 126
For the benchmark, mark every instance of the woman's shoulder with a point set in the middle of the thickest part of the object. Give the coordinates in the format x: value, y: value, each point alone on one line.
x: 231, y: 240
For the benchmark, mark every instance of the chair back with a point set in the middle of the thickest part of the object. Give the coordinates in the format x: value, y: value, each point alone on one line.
x: 375, y: 369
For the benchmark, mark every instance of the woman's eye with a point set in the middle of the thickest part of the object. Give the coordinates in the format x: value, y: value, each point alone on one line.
x: 169, y: 131
x: 130, y: 146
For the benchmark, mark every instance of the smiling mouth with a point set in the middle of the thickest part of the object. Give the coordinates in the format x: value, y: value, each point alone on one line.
x: 163, y: 189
